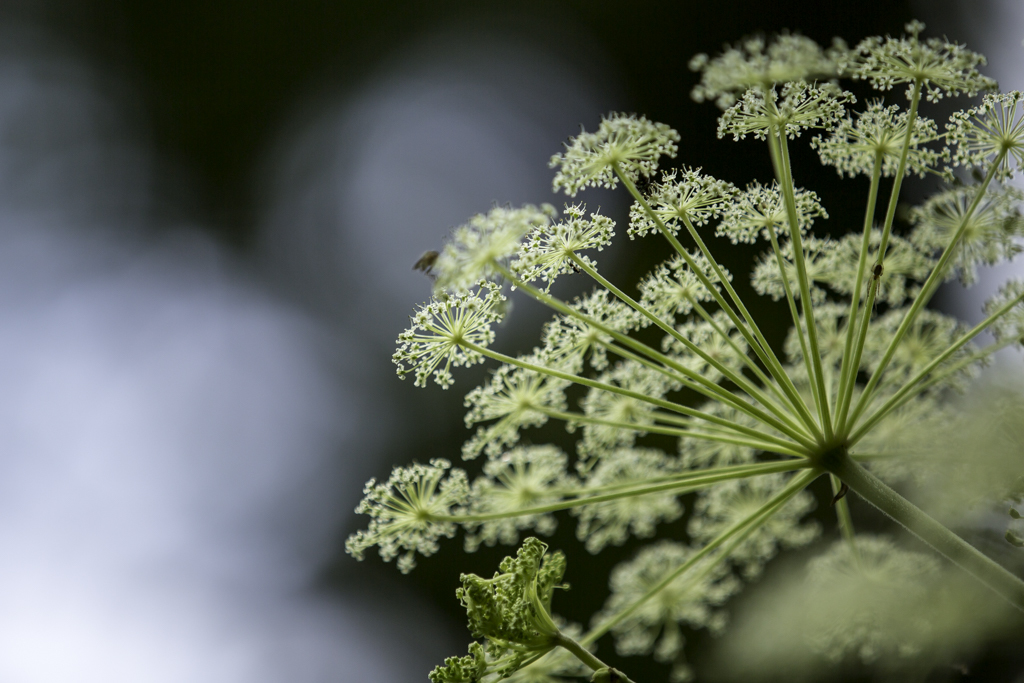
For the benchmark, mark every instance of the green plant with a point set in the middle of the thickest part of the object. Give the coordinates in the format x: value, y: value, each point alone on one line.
x: 868, y: 375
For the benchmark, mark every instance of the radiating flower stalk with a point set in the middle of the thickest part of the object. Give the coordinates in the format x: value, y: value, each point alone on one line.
x: 756, y: 425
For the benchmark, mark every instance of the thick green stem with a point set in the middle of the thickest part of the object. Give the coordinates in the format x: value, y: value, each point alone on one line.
x: 586, y: 656
x: 959, y: 551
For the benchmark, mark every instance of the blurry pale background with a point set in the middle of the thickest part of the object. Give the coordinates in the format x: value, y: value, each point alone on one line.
x: 208, y: 215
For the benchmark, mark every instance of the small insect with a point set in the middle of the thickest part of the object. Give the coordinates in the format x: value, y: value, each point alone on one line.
x: 877, y: 270
x: 575, y: 268
x: 840, y: 494
x: 644, y: 184
x: 426, y: 262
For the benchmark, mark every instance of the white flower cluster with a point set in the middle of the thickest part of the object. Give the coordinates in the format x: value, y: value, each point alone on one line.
x: 692, y: 600
x: 991, y: 229
x: 613, y: 522
x: 522, y: 478
x: 409, y: 512
x: 793, y: 108
x: 517, y: 399
x: 989, y: 132
x: 759, y: 210
x: 682, y: 196
x: 629, y: 143
x: 673, y: 287
x: 755, y: 62
x: 475, y: 251
x: 878, y: 136
x: 942, y: 68
x: 719, y: 508
x: 436, y: 340
x: 549, y: 249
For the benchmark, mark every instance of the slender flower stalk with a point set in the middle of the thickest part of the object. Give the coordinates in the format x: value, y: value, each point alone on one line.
x: 865, y: 374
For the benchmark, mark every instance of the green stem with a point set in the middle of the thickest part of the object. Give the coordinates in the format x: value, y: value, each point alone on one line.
x: 730, y: 539
x: 732, y: 471
x: 682, y: 485
x: 890, y: 214
x: 770, y: 444
x: 845, y: 519
x: 661, y: 403
x: 727, y: 372
x: 725, y: 397
x: 922, y: 297
x: 781, y: 147
x: 586, y: 656
x: 701, y: 383
x: 957, y: 550
x: 771, y: 384
x: 759, y: 345
x: 848, y: 372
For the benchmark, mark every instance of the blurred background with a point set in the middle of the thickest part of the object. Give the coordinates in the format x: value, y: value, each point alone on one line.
x: 209, y: 211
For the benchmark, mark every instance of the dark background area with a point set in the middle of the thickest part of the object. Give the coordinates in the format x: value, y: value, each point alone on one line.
x: 216, y: 80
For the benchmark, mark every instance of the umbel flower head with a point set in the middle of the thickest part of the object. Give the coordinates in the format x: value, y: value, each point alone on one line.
x: 520, y: 479
x: 990, y: 133
x: 756, y: 62
x: 686, y: 196
x: 692, y: 599
x: 475, y: 250
x: 759, y: 210
x: 436, y: 340
x: 788, y: 111
x: 627, y: 142
x: 409, y: 512
x: 517, y: 399
x: 941, y: 68
x: 878, y: 134
x: 550, y: 249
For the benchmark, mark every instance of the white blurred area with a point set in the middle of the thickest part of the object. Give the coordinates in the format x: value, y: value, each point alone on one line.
x: 174, y: 437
